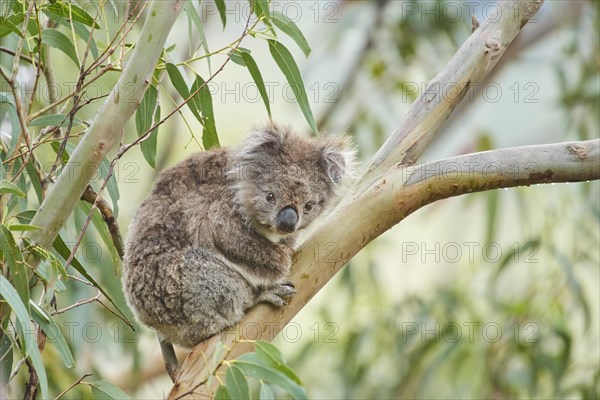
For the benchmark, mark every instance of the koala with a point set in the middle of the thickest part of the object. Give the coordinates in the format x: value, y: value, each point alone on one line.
x: 217, y: 233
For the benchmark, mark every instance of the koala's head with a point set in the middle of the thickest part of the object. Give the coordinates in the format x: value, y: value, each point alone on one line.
x: 284, y: 180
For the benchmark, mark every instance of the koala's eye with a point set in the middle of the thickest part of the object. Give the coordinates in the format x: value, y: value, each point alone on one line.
x: 271, y: 198
x: 309, y: 206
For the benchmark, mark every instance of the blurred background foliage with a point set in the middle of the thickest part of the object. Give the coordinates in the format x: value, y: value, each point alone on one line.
x: 491, y: 295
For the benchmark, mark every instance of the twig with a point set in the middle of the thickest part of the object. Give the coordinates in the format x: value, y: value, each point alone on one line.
x: 77, y: 304
x: 77, y: 382
x: 32, y: 385
x: 23, y: 57
x: 90, y: 196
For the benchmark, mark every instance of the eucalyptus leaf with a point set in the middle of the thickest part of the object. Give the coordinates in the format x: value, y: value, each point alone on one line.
x: 288, y: 27
x: 202, y: 101
x: 53, y: 334
x: 60, y: 41
x: 236, y: 383
x: 104, y: 390
x: 26, y: 330
x: 145, y: 116
x: 288, y: 66
x: 55, y: 120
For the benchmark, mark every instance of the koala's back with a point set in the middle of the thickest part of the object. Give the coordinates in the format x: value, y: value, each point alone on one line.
x: 167, y: 225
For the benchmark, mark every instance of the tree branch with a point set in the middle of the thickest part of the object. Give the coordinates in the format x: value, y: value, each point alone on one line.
x: 391, y: 198
x: 108, y: 124
x: 464, y: 72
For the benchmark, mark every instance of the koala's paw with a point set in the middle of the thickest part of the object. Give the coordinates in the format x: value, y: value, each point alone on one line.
x: 277, y: 293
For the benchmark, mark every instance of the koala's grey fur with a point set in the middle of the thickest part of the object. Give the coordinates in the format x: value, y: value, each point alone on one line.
x: 205, y: 245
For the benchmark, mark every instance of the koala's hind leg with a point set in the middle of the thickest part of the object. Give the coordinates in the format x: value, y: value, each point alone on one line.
x: 216, y: 297
x: 169, y: 357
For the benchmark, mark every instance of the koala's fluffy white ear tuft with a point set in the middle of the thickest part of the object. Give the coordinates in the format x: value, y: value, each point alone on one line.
x: 339, y: 158
x: 268, y: 138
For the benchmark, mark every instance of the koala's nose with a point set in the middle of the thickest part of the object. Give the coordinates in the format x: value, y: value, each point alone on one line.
x: 287, y: 220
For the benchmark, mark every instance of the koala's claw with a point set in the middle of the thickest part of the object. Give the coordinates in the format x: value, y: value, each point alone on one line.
x: 277, y: 293
x: 289, y: 284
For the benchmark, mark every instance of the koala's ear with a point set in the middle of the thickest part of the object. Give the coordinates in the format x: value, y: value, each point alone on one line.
x: 269, y: 138
x: 338, y: 157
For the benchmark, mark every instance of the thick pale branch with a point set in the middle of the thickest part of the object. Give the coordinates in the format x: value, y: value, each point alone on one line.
x: 108, y: 124
x: 464, y: 72
x: 402, y: 190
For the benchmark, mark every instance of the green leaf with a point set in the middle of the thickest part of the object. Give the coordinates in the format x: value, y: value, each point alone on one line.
x: 193, y: 15
x: 249, y: 62
x: 61, y: 248
x: 144, y: 117
x: 35, y: 180
x: 288, y: 66
x: 222, y: 11
x: 202, y: 101
x: 58, y: 40
x: 261, y: 8
x: 265, y: 392
x: 22, y: 227
x: 59, y: 10
x: 6, y: 358
x: 253, y: 365
x: 11, y: 254
x: 7, y: 27
x: 8, y: 99
x: 53, y: 333
x: 222, y: 394
x: 55, y: 120
x: 84, y: 34
x: 9, y: 187
x: 103, y: 231
x: 288, y: 27
x: 106, y: 390
x: 177, y: 80
x: 236, y: 383
x: 274, y: 358
x: 26, y: 331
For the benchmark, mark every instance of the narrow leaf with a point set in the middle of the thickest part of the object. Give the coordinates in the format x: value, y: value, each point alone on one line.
x: 257, y: 77
x: 58, y: 40
x: 261, y: 8
x: 222, y: 11
x: 84, y: 34
x: 254, y: 366
x: 62, y: 249
x: 222, y: 394
x: 11, y: 254
x: 236, y: 383
x: 35, y: 180
x: 288, y: 66
x: 144, y: 117
x: 177, y: 80
x: 288, y: 27
x: 8, y: 99
x: 6, y: 358
x: 22, y: 227
x: 55, y: 120
x: 7, y: 27
x: 203, y: 101
x: 273, y: 357
x: 9, y: 187
x: 265, y: 392
x: 53, y: 334
x: 60, y: 10
x: 195, y: 17
x: 27, y: 332
x: 105, y: 390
